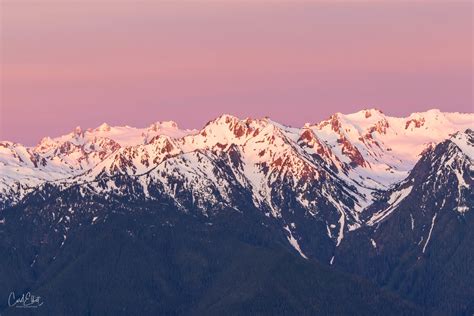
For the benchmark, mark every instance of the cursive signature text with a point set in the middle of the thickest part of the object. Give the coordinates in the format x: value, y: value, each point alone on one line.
x: 26, y: 300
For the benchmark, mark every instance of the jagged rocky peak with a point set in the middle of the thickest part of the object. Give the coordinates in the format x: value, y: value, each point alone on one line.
x: 334, y: 121
x: 307, y: 136
x: 227, y: 120
x: 46, y: 141
x: 221, y: 126
x: 103, y: 143
x: 78, y: 131
x: 366, y: 119
x: 448, y: 170
x: 427, y: 119
x: 157, y: 126
x: 104, y: 127
x: 309, y: 139
x: 10, y: 150
x: 465, y: 142
x: 415, y: 122
x: 370, y: 112
x: 379, y: 127
x: 362, y: 117
x: 45, y: 144
x: 6, y: 144
x: 162, y: 142
x: 347, y: 134
x: 458, y: 145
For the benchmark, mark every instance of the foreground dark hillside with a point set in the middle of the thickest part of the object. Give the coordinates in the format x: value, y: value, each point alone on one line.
x: 164, y: 262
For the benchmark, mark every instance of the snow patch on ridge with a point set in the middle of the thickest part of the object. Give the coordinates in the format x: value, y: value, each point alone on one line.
x: 293, y: 242
x: 395, y: 199
x: 429, y: 234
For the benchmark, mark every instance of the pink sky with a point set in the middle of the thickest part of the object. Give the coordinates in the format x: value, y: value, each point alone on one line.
x: 68, y: 63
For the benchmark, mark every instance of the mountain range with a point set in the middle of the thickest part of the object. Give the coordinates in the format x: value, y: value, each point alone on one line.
x: 360, y: 213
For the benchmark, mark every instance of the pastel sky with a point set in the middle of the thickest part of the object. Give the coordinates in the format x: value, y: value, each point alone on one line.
x: 83, y: 62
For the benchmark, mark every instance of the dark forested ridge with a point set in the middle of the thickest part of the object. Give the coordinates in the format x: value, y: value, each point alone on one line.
x: 158, y: 261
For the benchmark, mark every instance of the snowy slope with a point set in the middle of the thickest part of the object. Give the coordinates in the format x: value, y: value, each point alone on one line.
x: 23, y: 168
x: 382, y: 149
x: 329, y: 170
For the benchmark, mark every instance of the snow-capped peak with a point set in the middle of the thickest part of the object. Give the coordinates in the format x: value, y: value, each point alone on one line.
x: 366, y: 114
x: 104, y: 127
x: 163, y: 125
x: 77, y: 131
x: 367, y: 148
x: 230, y: 129
x: 465, y: 142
